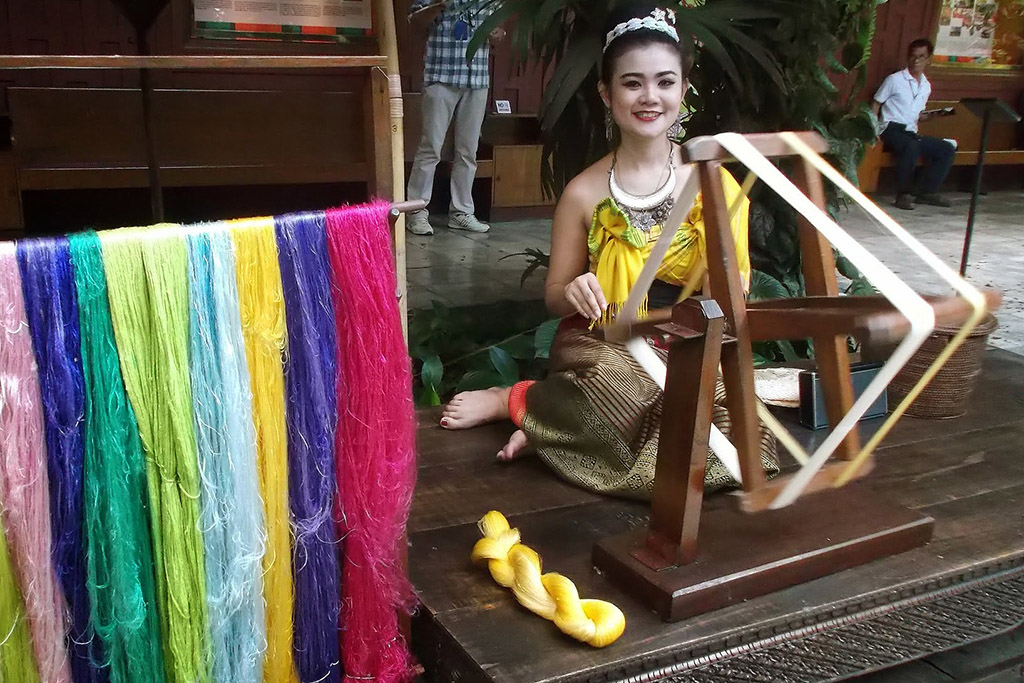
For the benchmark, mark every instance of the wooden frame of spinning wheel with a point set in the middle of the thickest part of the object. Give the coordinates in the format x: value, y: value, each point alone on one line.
x: 750, y: 550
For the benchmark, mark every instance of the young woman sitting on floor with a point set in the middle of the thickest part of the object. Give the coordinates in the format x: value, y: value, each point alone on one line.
x: 594, y: 420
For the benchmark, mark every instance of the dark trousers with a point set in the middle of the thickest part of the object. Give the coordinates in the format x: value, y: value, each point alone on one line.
x: 908, y: 147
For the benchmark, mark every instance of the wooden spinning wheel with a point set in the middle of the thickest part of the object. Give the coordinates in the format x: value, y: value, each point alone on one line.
x: 778, y: 535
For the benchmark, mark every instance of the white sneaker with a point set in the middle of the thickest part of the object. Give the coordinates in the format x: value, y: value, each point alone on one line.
x: 418, y: 223
x: 466, y: 221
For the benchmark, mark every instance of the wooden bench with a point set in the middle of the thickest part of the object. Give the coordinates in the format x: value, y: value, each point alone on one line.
x: 965, y: 128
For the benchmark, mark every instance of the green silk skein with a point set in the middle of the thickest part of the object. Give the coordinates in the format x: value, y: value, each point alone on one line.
x: 119, y: 561
x: 17, y: 663
x: 147, y: 282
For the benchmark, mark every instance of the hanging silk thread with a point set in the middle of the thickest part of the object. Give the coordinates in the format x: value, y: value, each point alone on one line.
x: 261, y: 305
x: 52, y: 310
x: 310, y: 377
x: 147, y: 280
x: 118, y: 555
x: 551, y: 596
x: 375, y: 444
x: 231, y: 512
x: 17, y: 664
x: 24, y: 485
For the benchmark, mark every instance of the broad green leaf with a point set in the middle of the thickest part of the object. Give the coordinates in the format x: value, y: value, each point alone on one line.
x: 763, y: 287
x: 432, y: 372
x: 545, y: 337
x: 427, y: 397
x: 861, y: 287
x: 520, y: 346
x: 846, y: 267
x: 789, y: 354
x: 505, y: 365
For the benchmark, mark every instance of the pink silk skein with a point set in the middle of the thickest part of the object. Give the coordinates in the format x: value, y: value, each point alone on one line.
x: 374, y: 444
x: 23, y: 478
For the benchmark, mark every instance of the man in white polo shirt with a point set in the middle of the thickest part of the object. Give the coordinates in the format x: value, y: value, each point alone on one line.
x: 898, y: 105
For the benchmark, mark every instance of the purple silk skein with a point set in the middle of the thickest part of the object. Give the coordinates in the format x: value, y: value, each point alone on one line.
x: 51, y: 307
x: 312, y: 416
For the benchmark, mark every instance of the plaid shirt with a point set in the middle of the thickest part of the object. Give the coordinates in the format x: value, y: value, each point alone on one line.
x: 445, y: 60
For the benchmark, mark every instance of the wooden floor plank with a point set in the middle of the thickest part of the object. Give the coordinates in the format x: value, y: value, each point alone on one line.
x: 457, y: 493
x: 967, y: 473
x: 940, y: 470
x: 487, y: 622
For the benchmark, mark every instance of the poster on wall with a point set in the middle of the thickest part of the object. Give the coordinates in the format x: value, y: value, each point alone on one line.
x: 314, y: 20
x: 966, y: 30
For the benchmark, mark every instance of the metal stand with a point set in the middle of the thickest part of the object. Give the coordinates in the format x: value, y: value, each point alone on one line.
x: 985, y: 109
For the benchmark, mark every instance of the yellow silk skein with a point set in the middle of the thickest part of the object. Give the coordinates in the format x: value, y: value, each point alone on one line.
x: 552, y: 596
x: 261, y: 301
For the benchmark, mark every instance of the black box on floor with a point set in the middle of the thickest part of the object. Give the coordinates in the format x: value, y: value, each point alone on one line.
x: 812, y: 395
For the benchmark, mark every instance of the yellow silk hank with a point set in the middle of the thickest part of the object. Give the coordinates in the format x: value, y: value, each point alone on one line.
x: 261, y: 300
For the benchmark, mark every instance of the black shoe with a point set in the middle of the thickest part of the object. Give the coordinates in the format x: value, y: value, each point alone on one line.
x: 934, y: 199
x: 905, y: 201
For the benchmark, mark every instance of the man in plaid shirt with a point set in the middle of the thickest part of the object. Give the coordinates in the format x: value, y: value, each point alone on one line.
x: 452, y: 88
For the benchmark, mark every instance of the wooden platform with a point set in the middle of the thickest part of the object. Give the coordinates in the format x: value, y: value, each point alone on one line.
x: 966, y: 585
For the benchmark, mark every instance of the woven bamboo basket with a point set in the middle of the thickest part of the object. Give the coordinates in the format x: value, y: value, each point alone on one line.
x: 947, y: 394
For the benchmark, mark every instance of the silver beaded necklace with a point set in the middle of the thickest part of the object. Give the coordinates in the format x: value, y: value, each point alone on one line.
x: 646, y: 211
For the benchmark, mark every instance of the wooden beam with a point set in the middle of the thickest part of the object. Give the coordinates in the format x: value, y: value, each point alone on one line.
x: 692, y: 374
x: 737, y: 359
x: 819, y: 269
x: 188, y: 62
x: 769, y: 144
x: 868, y: 318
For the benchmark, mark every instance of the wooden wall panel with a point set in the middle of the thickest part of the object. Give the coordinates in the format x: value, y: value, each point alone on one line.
x: 517, y: 177
x: 95, y: 27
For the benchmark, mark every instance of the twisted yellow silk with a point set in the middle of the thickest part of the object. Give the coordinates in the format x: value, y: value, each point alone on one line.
x: 550, y: 595
x: 618, y: 250
x: 261, y: 300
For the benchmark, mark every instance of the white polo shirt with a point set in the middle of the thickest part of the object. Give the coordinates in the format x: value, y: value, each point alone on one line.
x: 903, y: 98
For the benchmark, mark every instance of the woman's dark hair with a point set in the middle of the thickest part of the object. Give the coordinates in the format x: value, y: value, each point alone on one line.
x: 640, y: 38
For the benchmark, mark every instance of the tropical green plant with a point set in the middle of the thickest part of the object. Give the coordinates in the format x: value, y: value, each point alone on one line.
x: 476, y: 347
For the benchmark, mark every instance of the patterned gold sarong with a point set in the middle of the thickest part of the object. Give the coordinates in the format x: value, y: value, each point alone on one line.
x: 595, y: 419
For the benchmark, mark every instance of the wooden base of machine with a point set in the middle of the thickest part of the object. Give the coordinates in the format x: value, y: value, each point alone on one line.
x: 745, y: 555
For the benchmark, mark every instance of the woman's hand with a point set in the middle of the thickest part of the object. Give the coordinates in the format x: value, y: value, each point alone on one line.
x: 585, y: 295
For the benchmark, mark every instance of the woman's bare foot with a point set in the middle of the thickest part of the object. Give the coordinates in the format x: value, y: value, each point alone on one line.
x: 516, y: 446
x: 472, y: 408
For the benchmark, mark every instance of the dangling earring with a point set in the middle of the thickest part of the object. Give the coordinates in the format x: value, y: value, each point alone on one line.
x: 675, y: 131
x: 609, y: 125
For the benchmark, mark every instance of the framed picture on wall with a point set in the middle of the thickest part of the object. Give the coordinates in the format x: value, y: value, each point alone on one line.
x: 292, y: 20
x: 980, y: 33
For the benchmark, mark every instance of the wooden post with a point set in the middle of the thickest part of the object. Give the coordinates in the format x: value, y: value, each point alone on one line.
x: 819, y: 268
x: 685, y: 427
x: 156, y: 190
x: 737, y: 359
x: 12, y: 221
x: 384, y: 13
